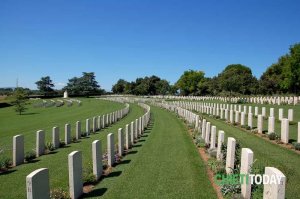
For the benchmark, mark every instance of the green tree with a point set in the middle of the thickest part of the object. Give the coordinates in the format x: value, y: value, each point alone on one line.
x: 19, y: 100
x: 237, y: 78
x: 191, y: 83
x: 162, y: 87
x: 120, y: 87
x: 45, y: 85
x: 85, y: 85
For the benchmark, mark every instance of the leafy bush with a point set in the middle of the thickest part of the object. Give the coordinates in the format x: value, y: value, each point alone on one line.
x: 199, y: 142
x: 248, y: 128
x: 273, y: 136
x: 297, y: 146
x: 49, y: 146
x: 5, y: 162
x: 257, y: 189
x: 230, y: 189
x: 88, y: 176
x: 216, y: 166
x: 29, y: 156
x: 59, y: 194
x: 73, y: 139
x: 292, y: 123
x: 62, y: 143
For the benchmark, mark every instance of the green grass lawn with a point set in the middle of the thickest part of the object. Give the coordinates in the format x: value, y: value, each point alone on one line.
x: 12, y: 184
x: 267, y: 154
x: 46, y: 118
x: 163, y: 164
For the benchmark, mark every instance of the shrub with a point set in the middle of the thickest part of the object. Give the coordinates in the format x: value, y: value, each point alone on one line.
x: 5, y: 162
x: 49, y: 146
x: 273, y: 136
x: 83, y: 134
x: 73, y: 139
x: 62, y: 143
x: 216, y: 166
x: 217, y: 117
x: 292, y: 123
x: 59, y: 194
x: 88, y: 176
x: 248, y: 128
x: 297, y: 146
x: 212, y: 152
x: 29, y: 156
x: 199, y: 142
x: 244, y: 126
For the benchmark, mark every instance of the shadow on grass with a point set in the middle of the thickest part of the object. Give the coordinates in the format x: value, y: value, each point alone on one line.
x: 32, y: 161
x: 7, y: 172
x: 137, y: 145
x: 141, y: 140
x: 29, y: 113
x: 124, y: 162
x: 113, y: 174
x: 95, y: 192
x: 132, y: 152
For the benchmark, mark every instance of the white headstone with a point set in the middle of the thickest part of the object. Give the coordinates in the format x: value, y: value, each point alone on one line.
x: 274, y: 190
x: 207, y: 131
x: 230, y: 156
x: 120, y: 142
x: 18, y: 150
x: 220, y: 142
x: 97, y: 159
x: 246, y: 164
x: 78, y: 130
x: 110, y: 149
x: 40, y: 143
x: 271, y: 125
x: 75, y: 174
x: 37, y: 184
x: 285, y: 130
x: 67, y: 133
x: 250, y: 120
x: 291, y: 115
x: 259, y: 124
x: 213, y: 137
x: 55, y: 137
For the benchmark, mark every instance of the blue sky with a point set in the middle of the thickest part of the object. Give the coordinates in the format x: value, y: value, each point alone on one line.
x: 135, y: 38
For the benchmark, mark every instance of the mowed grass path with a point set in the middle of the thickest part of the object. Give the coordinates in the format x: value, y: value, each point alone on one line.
x: 163, y: 164
x: 12, y: 184
x: 267, y: 154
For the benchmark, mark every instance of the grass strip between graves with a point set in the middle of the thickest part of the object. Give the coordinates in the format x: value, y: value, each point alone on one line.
x: 164, y: 163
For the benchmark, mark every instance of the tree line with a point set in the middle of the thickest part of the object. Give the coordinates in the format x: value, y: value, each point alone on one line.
x: 282, y: 77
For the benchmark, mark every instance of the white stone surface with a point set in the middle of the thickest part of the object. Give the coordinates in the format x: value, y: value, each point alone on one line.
x: 221, y: 137
x: 274, y: 190
x: 110, y: 149
x: 285, y: 130
x: 230, y: 156
x: 40, y: 143
x: 97, y: 158
x: 18, y: 150
x: 55, y: 137
x: 75, y: 174
x: 246, y: 163
x: 37, y: 184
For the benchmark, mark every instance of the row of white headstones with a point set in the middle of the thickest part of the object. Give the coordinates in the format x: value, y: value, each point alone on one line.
x: 233, y: 114
x: 292, y: 100
x: 98, y: 123
x: 37, y: 182
x: 208, y: 133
